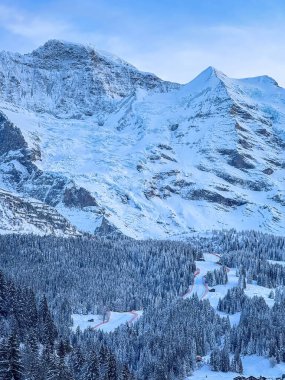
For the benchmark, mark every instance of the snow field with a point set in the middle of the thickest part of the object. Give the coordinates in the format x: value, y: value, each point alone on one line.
x: 253, y: 365
x: 115, y: 320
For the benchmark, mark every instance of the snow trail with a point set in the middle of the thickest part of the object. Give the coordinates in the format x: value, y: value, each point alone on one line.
x: 190, y: 289
x: 104, y: 322
x: 134, y: 318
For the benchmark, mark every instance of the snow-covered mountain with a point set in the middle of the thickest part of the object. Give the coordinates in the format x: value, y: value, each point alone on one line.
x: 92, y: 138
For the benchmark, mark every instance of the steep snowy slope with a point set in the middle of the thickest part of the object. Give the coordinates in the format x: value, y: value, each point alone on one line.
x: 155, y: 159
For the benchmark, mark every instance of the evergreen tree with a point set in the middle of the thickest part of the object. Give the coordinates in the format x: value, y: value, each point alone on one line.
x: 3, y: 296
x: 10, y: 360
x: 76, y: 362
x: 239, y: 366
x: 47, y: 329
x: 215, y: 360
x: 112, y: 368
x: 126, y: 374
x: 4, y: 361
x: 91, y: 368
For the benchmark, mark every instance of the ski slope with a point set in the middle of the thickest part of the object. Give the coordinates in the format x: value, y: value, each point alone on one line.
x: 113, y: 320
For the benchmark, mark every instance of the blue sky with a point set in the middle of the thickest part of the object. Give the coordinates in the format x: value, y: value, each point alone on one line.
x: 176, y: 39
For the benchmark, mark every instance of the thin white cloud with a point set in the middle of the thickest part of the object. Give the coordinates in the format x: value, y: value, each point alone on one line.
x: 179, y: 55
x: 239, y: 52
x: 30, y: 26
x: 37, y: 29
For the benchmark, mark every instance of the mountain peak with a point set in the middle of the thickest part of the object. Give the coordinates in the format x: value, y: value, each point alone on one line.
x: 210, y: 77
x: 210, y: 72
x: 58, y: 49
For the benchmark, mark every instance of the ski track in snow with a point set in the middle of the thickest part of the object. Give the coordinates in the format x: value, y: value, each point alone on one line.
x: 190, y: 289
x: 199, y: 286
x: 102, y: 323
x: 114, y: 320
x: 135, y: 316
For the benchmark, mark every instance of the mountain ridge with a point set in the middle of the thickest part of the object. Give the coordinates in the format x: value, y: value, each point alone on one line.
x: 154, y: 158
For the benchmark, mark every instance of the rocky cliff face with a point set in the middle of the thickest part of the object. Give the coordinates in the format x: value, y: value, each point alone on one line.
x: 90, y: 136
x: 71, y: 81
x: 18, y: 215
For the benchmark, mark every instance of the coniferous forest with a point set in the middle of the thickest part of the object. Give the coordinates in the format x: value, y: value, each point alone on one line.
x: 44, y: 280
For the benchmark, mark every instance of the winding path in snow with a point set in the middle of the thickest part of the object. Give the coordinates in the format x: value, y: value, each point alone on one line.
x: 114, y: 319
x: 206, y: 291
x: 202, y: 286
x: 103, y: 323
x: 190, y: 289
x: 134, y: 315
x: 134, y: 318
